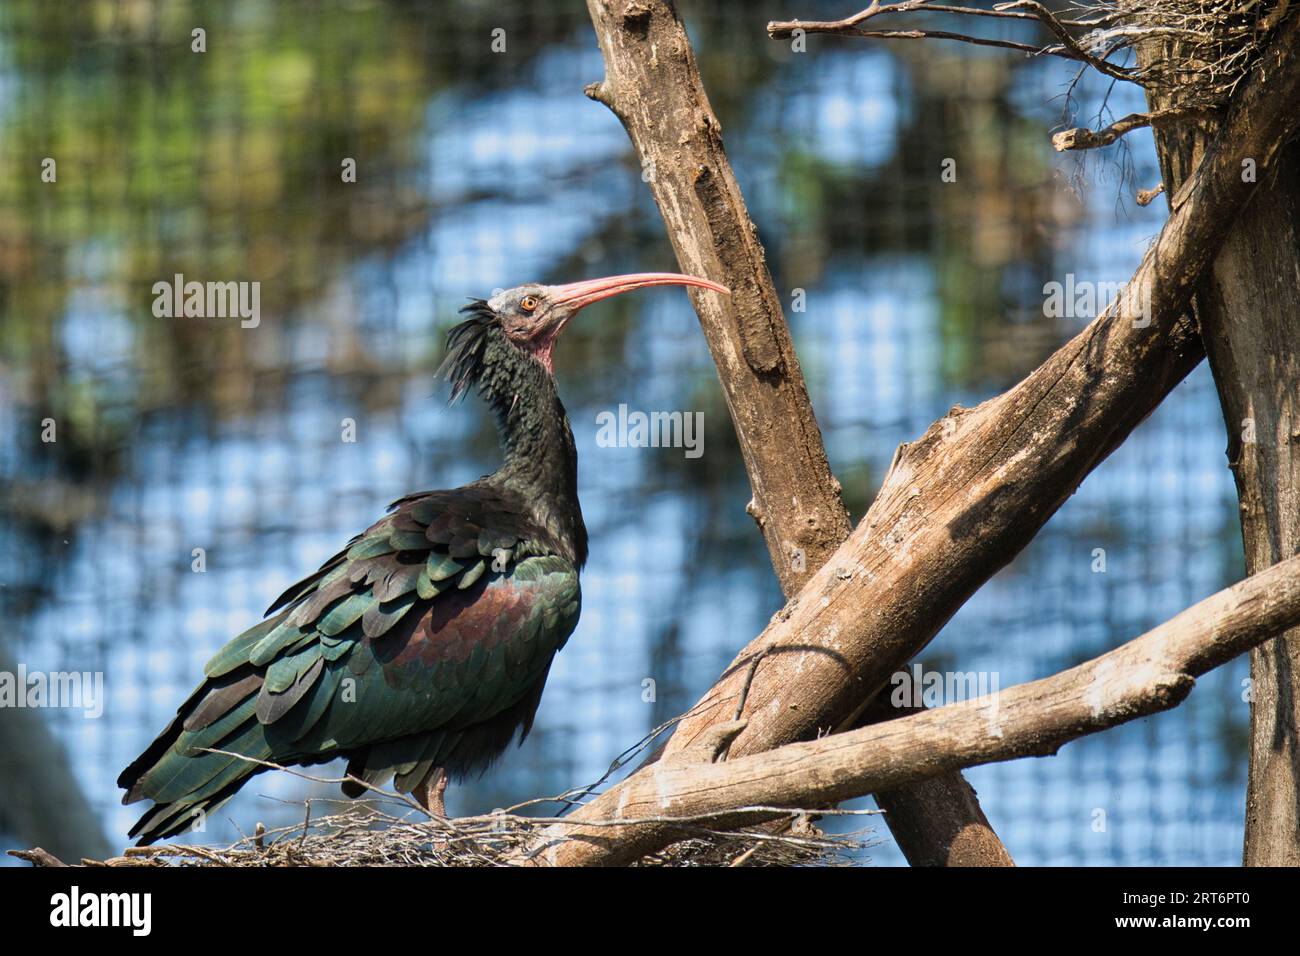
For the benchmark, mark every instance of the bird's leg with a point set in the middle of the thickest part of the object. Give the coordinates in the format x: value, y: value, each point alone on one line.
x: 429, y: 792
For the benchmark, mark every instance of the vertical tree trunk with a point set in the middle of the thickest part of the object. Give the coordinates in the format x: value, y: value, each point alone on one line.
x: 1248, y: 308
x: 1250, y: 322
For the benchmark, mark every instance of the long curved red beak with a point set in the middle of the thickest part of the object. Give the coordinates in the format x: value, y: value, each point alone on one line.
x: 577, y: 295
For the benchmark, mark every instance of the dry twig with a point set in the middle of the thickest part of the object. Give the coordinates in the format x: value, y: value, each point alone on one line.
x: 1083, y: 138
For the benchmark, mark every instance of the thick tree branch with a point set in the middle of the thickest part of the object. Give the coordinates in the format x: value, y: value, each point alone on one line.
x: 959, y: 503
x: 1151, y: 673
x: 653, y: 86
x: 679, y: 141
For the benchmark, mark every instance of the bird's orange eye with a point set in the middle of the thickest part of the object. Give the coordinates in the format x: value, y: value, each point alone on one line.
x: 528, y: 303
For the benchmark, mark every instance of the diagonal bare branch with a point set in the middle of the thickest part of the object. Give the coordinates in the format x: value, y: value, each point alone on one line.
x: 1092, y: 139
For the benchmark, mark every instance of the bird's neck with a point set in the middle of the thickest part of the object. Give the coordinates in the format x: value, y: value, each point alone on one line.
x: 541, y: 460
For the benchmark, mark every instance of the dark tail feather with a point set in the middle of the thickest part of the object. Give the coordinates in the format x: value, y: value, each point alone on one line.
x: 165, y: 820
x: 180, y: 772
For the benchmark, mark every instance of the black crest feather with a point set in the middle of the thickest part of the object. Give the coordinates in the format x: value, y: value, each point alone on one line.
x: 466, y: 348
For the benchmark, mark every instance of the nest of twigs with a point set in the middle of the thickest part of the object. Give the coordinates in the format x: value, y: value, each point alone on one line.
x: 1197, y: 51
x: 392, y: 829
x: 370, y: 835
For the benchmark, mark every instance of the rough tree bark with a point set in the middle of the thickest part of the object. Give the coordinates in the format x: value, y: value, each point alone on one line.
x: 1149, y: 674
x: 959, y: 503
x: 1248, y: 308
x: 653, y: 86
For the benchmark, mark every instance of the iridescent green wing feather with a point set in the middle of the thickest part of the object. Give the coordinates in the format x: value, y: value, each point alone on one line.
x: 423, y: 644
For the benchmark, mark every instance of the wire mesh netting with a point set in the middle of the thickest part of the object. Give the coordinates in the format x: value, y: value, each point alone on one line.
x: 163, y: 479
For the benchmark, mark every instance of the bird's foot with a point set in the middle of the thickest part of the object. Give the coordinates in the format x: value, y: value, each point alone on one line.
x: 430, y: 793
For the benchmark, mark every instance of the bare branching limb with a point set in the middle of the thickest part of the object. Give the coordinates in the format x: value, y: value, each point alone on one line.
x: 950, y: 35
x: 784, y: 29
x: 1150, y: 674
x: 1083, y: 138
x: 1068, y: 46
x: 961, y: 501
x: 1217, y: 46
